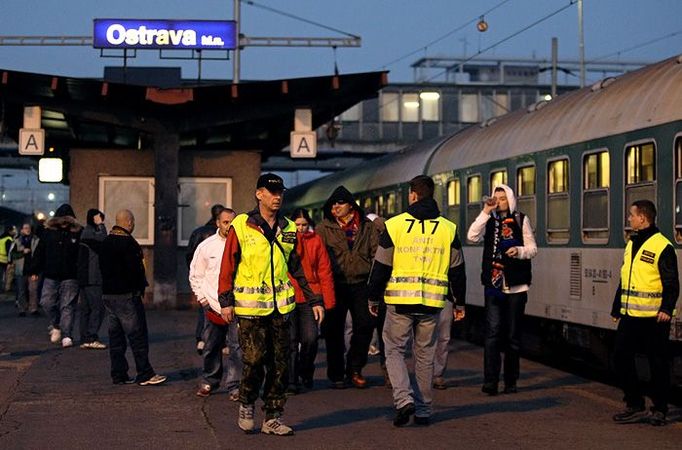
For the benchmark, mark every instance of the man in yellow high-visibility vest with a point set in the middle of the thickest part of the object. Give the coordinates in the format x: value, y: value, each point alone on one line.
x: 643, y: 305
x: 418, y: 267
x: 254, y: 287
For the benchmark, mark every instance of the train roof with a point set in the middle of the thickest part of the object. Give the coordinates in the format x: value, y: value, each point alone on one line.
x: 640, y: 99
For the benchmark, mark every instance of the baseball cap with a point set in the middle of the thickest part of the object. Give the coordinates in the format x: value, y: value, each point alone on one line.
x: 271, y: 182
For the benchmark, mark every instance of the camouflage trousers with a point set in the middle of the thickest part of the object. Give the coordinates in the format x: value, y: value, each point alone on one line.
x: 265, y: 354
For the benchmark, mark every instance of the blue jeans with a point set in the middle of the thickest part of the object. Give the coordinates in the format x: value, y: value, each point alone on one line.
x: 504, y: 317
x: 59, y: 301
x: 398, y: 330
x: 214, y: 337
x: 303, y: 331
x: 127, y: 320
x: 92, y: 313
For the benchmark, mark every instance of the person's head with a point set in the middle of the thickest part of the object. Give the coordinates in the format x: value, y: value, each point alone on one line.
x: 502, y: 200
x: 302, y: 220
x: 94, y: 217
x: 26, y: 229
x: 65, y: 210
x: 12, y: 230
x: 270, y: 192
x: 340, y: 205
x: 215, y: 210
x: 224, y: 220
x: 126, y: 220
x: 421, y: 187
x: 642, y: 214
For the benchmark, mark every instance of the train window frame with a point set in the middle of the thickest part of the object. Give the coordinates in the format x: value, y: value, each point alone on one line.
x: 495, y: 171
x: 528, y: 198
x: 594, y: 236
x: 453, y: 211
x: 558, y: 236
x: 627, y: 188
x: 475, y: 203
x: 677, y: 183
x: 391, y: 204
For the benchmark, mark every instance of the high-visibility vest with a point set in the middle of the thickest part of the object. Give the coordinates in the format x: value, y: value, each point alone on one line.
x: 421, y: 259
x: 261, y: 281
x: 4, y: 256
x: 641, y: 287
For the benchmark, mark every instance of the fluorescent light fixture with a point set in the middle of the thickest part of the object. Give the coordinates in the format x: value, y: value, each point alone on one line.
x: 429, y: 95
x: 411, y: 105
x: 50, y: 170
x: 548, y: 97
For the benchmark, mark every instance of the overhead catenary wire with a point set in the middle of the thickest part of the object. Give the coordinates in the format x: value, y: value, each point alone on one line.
x: 635, y: 47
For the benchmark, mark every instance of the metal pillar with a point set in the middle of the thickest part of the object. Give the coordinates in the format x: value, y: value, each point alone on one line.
x: 237, y: 50
x: 555, y: 58
x: 581, y: 45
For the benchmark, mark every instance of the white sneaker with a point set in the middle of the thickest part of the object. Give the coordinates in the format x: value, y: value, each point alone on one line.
x: 245, y: 421
x: 55, y: 335
x: 156, y: 379
x: 67, y: 342
x: 200, y: 347
x: 277, y: 427
x: 94, y: 345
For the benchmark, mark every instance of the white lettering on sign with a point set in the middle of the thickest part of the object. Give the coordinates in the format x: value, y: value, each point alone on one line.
x: 303, y: 144
x: 117, y: 34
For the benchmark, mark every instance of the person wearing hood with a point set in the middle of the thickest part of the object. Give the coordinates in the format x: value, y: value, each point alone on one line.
x: 351, y: 241
x: 90, y: 280
x: 508, y: 247
x: 27, y: 283
x: 419, y: 269
x: 56, y: 258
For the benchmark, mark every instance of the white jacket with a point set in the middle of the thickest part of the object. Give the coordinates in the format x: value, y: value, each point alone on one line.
x: 205, y: 269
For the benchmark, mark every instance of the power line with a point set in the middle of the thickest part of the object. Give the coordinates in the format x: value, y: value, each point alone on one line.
x: 635, y: 47
x: 295, y: 17
x: 446, y: 35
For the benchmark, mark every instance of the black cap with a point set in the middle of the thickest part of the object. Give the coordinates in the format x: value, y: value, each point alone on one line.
x: 271, y: 182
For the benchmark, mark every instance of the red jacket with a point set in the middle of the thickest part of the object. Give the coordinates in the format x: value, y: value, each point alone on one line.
x: 317, y: 268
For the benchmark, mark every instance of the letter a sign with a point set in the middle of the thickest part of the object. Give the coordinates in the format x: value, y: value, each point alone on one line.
x: 31, y: 141
x: 303, y: 144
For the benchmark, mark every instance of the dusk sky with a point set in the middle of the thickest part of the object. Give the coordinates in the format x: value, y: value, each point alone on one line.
x: 389, y: 29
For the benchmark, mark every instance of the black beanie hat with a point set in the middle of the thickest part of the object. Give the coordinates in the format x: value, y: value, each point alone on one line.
x: 65, y: 210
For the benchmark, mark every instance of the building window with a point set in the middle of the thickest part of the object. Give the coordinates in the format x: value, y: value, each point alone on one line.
x: 410, y: 108
x: 353, y: 114
x: 389, y: 106
x: 558, y: 206
x: 595, y: 215
x: 469, y: 108
x: 430, y: 106
x: 195, y: 199
x: 525, y: 191
x: 640, y: 175
x: 135, y: 194
x: 497, y: 178
x: 474, y: 194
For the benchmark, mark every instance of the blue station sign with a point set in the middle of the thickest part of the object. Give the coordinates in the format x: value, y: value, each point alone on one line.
x: 165, y: 34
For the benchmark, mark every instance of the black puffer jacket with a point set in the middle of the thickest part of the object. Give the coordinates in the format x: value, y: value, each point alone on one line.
x: 122, y: 264
x: 56, y: 256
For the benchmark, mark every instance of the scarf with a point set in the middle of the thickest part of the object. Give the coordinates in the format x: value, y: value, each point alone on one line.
x: 350, y: 228
x: 503, y: 240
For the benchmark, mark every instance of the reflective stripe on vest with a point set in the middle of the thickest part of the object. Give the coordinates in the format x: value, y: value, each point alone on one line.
x: 421, y: 260
x: 4, y: 257
x: 641, y: 287
x: 261, y: 281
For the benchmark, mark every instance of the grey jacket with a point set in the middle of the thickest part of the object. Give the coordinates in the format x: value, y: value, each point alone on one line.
x: 89, y: 273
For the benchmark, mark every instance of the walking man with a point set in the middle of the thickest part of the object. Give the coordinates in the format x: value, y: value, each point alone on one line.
x: 254, y: 287
x: 203, y: 277
x: 27, y: 283
x: 420, y: 264
x: 643, y: 305
x: 123, y: 285
x: 508, y: 246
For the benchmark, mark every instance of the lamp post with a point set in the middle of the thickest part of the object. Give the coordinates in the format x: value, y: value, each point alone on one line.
x: 581, y: 43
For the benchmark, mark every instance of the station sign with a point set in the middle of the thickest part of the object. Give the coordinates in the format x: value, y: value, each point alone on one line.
x: 303, y: 144
x: 165, y: 34
x: 31, y: 141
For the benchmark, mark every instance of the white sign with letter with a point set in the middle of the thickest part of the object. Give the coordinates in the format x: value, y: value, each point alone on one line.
x: 31, y: 141
x: 303, y: 144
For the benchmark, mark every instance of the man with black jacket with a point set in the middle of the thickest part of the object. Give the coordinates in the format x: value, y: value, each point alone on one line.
x: 644, y: 304
x: 56, y: 258
x: 123, y: 285
x: 90, y: 280
x: 418, y: 267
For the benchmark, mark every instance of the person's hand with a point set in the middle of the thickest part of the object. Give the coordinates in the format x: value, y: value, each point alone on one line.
x: 227, y: 313
x: 318, y: 314
x: 374, y: 309
x: 512, y: 252
x: 489, y: 204
x: 458, y: 314
x: 662, y: 317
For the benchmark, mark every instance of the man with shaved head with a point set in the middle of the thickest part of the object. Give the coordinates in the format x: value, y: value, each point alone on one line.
x: 123, y: 284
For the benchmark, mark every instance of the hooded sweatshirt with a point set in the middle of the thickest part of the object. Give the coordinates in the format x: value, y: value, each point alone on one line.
x: 484, y: 228
x: 56, y: 256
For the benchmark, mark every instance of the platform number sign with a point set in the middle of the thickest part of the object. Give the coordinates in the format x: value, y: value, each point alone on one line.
x: 31, y: 141
x: 303, y: 144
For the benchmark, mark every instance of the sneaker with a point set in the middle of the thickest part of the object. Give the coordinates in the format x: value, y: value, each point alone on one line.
x: 439, y: 383
x: 204, y: 390
x: 358, y: 380
x: 97, y: 345
x: 156, y: 379
x: 657, y: 418
x: 630, y: 415
x: 200, y: 347
x: 245, y: 421
x: 55, y: 335
x: 234, y: 396
x: 124, y: 381
x: 402, y: 415
x: 67, y: 342
x: 489, y: 388
x: 423, y: 421
x: 373, y: 351
x: 276, y: 426
x: 338, y: 384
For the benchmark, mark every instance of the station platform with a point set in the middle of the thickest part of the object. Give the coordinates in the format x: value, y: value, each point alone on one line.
x: 63, y: 399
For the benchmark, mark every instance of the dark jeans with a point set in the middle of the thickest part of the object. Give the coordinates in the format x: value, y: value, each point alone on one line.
x: 303, y: 332
x: 265, y: 349
x: 381, y: 318
x: 92, y: 313
x: 127, y: 320
x: 504, y: 328
x: 201, y: 324
x: 59, y: 301
x: 214, y: 337
x: 353, y: 298
x: 649, y: 337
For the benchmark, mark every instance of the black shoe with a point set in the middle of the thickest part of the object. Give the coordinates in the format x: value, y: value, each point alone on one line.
x: 489, y: 388
x: 657, y: 418
x: 423, y: 421
x: 307, y: 383
x: 338, y: 384
x: 402, y: 416
x: 292, y: 389
x: 510, y: 389
x: 124, y: 381
x: 630, y: 415
x: 22, y: 314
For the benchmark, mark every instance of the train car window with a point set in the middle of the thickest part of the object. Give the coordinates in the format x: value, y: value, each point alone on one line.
x: 367, y: 205
x: 640, y: 175
x: 525, y: 190
x: 474, y: 194
x: 558, y: 203
x: 390, y: 101
x: 678, y: 189
x: 454, y: 200
x: 497, y: 178
x: 430, y: 106
x: 379, y: 206
x: 469, y: 108
x: 595, y: 214
x: 409, y: 108
x: 390, y: 204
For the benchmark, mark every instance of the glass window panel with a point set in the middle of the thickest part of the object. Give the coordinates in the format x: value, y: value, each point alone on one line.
x: 501, y: 104
x: 410, y: 108
x: 596, y: 210
x: 390, y: 204
x: 430, y: 106
x: 353, y: 114
x: 134, y: 194
x: 596, y: 170
x: 379, y: 206
x: 453, y: 193
x: 558, y: 176
x: 525, y: 182
x: 474, y: 189
x: 196, y: 198
x: 497, y: 178
x: 678, y: 205
x: 641, y: 163
x: 469, y: 108
x: 389, y: 106
x: 678, y: 158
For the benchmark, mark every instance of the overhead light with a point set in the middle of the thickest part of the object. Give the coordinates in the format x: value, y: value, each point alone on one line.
x: 50, y: 170
x: 40, y: 216
x: 51, y: 213
x: 482, y: 25
x: 50, y: 196
x: 429, y: 95
x: 547, y: 97
x: 411, y: 105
